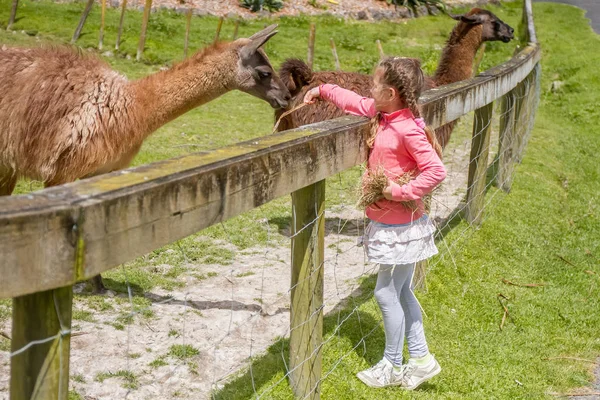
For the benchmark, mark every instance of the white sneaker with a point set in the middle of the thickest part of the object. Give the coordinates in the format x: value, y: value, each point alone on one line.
x: 382, y: 374
x: 413, y: 375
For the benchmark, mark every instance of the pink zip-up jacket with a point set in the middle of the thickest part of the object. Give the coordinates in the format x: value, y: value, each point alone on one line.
x: 401, y: 145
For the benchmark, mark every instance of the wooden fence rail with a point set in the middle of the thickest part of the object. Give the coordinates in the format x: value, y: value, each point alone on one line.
x: 55, y: 237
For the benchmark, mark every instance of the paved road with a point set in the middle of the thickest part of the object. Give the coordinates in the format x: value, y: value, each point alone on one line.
x: 591, y: 6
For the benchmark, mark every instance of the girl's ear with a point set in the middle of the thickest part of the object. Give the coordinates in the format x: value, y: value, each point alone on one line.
x: 393, y: 92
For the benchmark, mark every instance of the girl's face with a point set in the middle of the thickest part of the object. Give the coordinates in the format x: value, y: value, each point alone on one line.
x: 386, y: 97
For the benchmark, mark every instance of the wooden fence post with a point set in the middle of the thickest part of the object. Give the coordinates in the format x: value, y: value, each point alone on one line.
x: 235, y: 29
x: 335, y: 55
x: 188, y: 25
x: 121, y: 19
x: 311, y: 46
x: 13, y: 14
x: 506, y: 141
x: 525, y: 104
x: 218, y: 33
x: 480, y: 146
x: 42, y: 370
x: 145, y: 18
x: 518, y: 119
x: 102, y: 20
x: 306, y: 313
x: 86, y: 12
x: 478, y: 58
x: 380, y: 48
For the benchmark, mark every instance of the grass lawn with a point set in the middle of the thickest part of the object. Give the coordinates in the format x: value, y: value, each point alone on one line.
x: 547, y: 230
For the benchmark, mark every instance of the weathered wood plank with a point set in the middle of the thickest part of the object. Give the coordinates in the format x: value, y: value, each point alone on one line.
x: 306, y: 311
x: 108, y: 220
x: 450, y: 102
x: 42, y: 370
x: 480, y: 148
x: 98, y: 223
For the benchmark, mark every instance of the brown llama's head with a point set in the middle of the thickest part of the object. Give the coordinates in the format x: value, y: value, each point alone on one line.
x: 493, y: 28
x: 255, y: 75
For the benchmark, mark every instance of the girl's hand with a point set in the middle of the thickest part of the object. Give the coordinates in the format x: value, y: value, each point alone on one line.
x: 312, y: 95
x: 387, y: 191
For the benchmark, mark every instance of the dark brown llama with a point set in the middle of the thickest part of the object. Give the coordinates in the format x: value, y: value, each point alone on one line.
x: 456, y: 64
x: 66, y: 116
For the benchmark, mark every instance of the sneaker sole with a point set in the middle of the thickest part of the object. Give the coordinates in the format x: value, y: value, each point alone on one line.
x: 427, y: 377
x: 367, y: 381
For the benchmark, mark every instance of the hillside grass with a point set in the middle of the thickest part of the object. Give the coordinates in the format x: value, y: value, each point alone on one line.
x: 545, y: 231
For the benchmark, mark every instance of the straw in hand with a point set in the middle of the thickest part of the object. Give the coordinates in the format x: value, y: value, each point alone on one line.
x: 375, y: 181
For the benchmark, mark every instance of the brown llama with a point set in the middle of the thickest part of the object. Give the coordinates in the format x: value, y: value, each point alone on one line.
x: 456, y: 64
x: 66, y: 116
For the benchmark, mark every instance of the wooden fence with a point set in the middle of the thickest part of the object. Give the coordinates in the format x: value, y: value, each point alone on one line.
x: 55, y: 237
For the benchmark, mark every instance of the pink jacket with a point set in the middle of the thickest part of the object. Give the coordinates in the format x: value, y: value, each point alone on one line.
x: 400, y: 145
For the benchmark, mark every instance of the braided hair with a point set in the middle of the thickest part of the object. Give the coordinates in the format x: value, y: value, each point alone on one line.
x: 405, y: 75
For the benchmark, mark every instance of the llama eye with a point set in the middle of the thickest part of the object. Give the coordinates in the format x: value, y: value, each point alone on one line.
x: 264, y: 74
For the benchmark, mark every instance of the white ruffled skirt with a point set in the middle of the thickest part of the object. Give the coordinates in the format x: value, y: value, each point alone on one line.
x: 400, y: 244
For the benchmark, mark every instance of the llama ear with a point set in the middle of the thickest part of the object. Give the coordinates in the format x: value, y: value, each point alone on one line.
x: 467, y: 19
x: 258, y: 39
x: 472, y: 19
x: 269, y: 29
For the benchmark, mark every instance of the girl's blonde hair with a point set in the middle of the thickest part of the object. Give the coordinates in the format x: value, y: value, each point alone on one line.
x: 405, y: 75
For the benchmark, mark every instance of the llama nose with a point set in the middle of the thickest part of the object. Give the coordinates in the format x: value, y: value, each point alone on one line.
x: 512, y: 30
x: 287, y: 97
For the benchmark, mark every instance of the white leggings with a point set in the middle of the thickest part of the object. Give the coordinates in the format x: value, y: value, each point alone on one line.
x: 401, y: 312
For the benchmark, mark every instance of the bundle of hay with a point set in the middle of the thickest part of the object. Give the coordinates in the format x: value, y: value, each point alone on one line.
x: 375, y: 180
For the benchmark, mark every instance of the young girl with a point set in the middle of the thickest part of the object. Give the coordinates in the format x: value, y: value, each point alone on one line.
x: 397, y: 237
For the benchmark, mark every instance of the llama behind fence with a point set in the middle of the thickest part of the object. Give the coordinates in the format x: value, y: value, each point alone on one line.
x: 66, y: 116
x: 456, y: 64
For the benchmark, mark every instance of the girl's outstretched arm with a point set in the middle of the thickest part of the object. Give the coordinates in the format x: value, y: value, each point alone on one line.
x: 432, y: 171
x: 347, y: 100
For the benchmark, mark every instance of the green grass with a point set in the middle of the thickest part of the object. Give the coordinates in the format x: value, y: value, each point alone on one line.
x: 74, y: 395
x: 551, y: 211
x: 183, y: 351
x: 211, y: 126
x: 83, y: 315
x: 129, y: 379
x: 159, y: 362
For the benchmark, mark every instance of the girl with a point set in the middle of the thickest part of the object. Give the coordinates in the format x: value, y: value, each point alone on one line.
x: 397, y: 237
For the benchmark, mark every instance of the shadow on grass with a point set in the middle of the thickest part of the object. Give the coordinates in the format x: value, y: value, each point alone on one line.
x: 366, y: 341
x: 122, y: 287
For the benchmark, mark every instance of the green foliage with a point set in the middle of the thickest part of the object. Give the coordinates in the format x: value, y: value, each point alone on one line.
x: 129, y: 379
x: 159, y: 362
x: 259, y: 5
x: 183, y: 351
x: 73, y: 395
x: 413, y: 5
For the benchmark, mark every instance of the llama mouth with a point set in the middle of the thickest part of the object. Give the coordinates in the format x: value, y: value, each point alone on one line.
x: 278, y: 104
x: 507, y: 39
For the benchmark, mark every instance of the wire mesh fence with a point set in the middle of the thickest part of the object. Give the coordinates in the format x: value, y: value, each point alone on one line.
x: 222, y: 329
x: 217, y: 315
